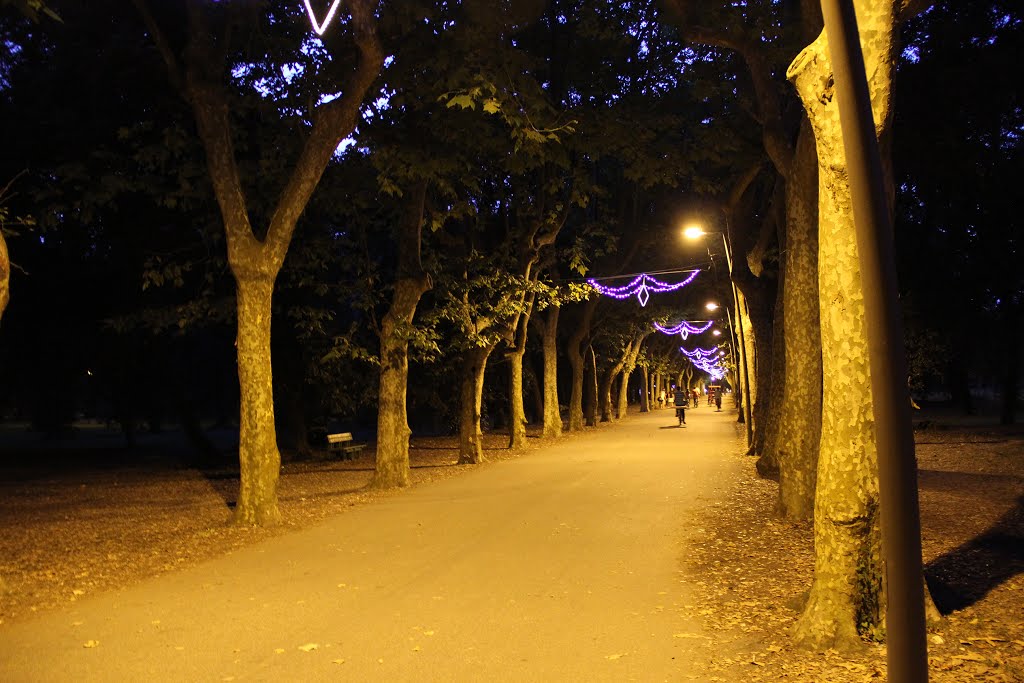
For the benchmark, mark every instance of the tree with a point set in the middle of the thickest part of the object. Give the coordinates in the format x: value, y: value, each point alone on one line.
x: 847, y: 594
x: 202, y: 70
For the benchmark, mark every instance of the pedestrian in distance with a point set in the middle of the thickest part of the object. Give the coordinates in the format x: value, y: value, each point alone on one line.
x: 718, y: 400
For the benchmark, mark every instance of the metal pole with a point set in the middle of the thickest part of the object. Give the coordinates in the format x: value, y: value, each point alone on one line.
x: 907, y: 653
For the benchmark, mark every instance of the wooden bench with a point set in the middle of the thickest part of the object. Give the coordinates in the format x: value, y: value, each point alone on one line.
x: 342, y: 443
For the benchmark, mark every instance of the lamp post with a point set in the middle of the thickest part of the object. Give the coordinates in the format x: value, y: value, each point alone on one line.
x: 696, y: 232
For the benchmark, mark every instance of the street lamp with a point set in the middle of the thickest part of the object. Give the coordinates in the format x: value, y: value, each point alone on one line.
x: 694, y: 232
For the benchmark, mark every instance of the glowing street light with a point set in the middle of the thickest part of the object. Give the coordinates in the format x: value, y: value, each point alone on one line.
x: 717, y: 333
x: 711, y: 306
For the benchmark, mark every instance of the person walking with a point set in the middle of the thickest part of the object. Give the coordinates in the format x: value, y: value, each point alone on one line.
x: 661, y: 399
x: 718, y: 399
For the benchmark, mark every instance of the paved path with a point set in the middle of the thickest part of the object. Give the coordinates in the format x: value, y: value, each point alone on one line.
x: 559, y: 566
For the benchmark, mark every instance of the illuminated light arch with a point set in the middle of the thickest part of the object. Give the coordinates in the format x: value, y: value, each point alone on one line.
x: 642, y: 286
x: 685, y: 328
x: 318, y: 27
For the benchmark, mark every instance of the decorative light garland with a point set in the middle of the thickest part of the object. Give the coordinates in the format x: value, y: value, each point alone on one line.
x: 320, y: 28
x: 684, y: 328
x: 706, y: 360
x: 642, y: 285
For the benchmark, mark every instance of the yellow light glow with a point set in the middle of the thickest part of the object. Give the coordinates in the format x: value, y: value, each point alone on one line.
x: 711, y: 306
x: 717, y: 333
x: 692, y: 232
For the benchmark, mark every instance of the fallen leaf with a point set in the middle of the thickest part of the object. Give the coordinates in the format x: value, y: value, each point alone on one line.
x: 616, y: 656
x: 337, y: 661
x: 279, y: 650
x: 309, y: 647
x: 91, y: 643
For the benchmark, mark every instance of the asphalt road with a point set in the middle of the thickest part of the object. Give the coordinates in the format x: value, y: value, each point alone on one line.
x: 563, y: 565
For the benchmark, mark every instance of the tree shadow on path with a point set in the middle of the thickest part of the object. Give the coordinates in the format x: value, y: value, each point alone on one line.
x: 968, y: 573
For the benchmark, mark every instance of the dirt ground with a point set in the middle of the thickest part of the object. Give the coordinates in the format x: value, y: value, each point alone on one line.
x: 77, y: 522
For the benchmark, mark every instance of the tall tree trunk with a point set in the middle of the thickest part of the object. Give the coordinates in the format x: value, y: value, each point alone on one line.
x: 800, y: 418
x: 575, y: 353
x: 760, y: 305
x: 517, y: 413
x: 259, y: 458
x: 5, y: 276
x: 255, y: 263
x: 645, y: 395
x: 392, y: 457
x: 846, y: 594
x: 471, y: 448
x: 632, y: 353
x: 768, y: 459
x: 552, y: 410
x: 591, y: 405
x: 607, y: 383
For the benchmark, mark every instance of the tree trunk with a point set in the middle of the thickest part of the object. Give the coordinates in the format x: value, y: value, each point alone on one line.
x: 552, y: 410
x: 768, y: 458
x: 800, y: 416
x: 471, y: 449
x: 645, y: 404
x: 591, y: 406
x: 575, y: 354
x: 5, y: 276
x: 392, y: 457
x: 259, y: 459
x: 760, y: 305
x: 632, y: 353
x: 846, y: 595
x: 606, y: 386
x: 517, y: 413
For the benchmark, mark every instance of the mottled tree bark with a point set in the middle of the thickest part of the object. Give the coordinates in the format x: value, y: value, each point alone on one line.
x: 259, y: 458
x: 800, y: 418
x: 471, y: 449
x: 846, y: 596
x: 392, y: 457
x: 552, y: 411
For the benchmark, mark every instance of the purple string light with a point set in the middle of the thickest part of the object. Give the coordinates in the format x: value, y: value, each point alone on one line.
x: 684, y: 328
x: 642, y: 286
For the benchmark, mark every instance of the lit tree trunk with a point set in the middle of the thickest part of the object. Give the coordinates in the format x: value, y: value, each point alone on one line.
x: 392, y: 458
x: 471, y: 449
x: 645, y: 404
x: 259, y: 458
x: 632, y: 352
x: 5, y: 276
x: 552, y: 411
x: 846, y: 594
x: 255, y: 263
x: 575, y: 353
x: 517, y: 414
x: 591, y: 405
x: 800, y: 417
x: 606, y: 386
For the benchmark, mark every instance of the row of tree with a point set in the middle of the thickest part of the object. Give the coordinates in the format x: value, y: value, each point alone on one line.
x: 431, y: 182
